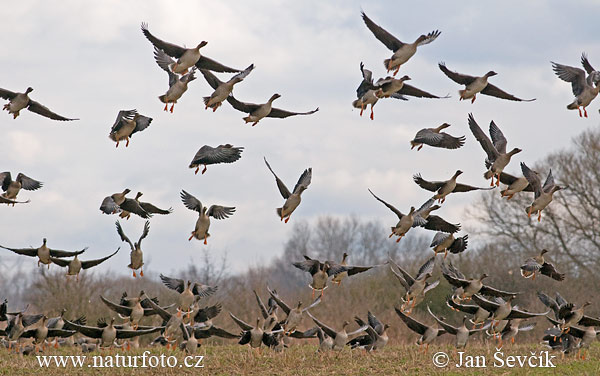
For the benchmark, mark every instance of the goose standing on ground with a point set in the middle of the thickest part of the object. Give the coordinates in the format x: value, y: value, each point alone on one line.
x: 497, y: 157
x: 538, y: 264
x: 203, y: 223
x: 187, y: 292
x: 514, y: 185
x: 339, y: 337
x: 444, y: 242
x: 177, y: 85
x: 74, y: 266
x: 434, y: 137
x: 584, y: 89
x: 542, y: 194
x: 367, y: 92
x: 462, y: 333
x: 472, y: 286
x: 402, y: 51
x: 222, y: 89
x: 444, y: 188
x: 416, y: 287
x: 117, y: 203
x: 476, y: 85
x: 43, y: 253
x: 428, y: 333
x: 294, y: 315
x: 257, y: 112
x: 11, y: 188
x: 186, y: 57
x: 127, y: 123
x: 292, y: 200
x: 136, y: 256
x: 109, y: 333
x: 19, y: 101
x: 208, y: 155
x: 148, y: 208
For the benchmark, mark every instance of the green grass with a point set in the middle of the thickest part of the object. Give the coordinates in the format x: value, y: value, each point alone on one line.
x: 303, y: 360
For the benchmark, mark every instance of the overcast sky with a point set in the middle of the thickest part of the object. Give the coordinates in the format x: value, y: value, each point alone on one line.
x: 89, y: 60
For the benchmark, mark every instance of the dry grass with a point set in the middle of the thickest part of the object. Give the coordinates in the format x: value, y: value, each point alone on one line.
x: 302, y: 360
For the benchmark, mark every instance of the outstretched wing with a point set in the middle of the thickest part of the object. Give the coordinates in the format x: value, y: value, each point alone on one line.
x: 573, y: 75
x: 382, y: 35
x: 303, y: 181
x: 171, y: 49
x: 483, y: 139
x: 90, y: 263
x: 221, y: 154
x: 121, y: 233
x: 40, y: 109
x: 428, y: 185
x: 220, y: 212
x: 173, y: 283
x: 494, y: 91
x: 282, y: 188
x: 533, y: 179
x: 459, y: 78
x: 392, y: 208
x: 28, y: 183
x: 212, y: 80
x: 279, y: 113
x: 191, y: 202
x: 415, y: 92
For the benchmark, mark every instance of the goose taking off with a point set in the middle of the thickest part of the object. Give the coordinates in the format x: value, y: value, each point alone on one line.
x: 222, y: 89
x: 402, y: 51
x: 584, y: 89
x: 292, y: 199
x: 136, y: 256
x: 476, y: 85
x: 203, y: 223
x: 128, y: 123
x: 542, y: 194
x: 177, y: 85
x: 19, y: 101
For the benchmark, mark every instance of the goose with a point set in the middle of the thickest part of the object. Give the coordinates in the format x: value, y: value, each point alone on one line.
x: 255, y: 336
x: 187, y: 292
x: 538, y: 264
x: 16, y: 327
x: 389, y: 86
x: 75, y: 265
x: 134, y: 311
x: 42, y: 332
x: 462, y: 333
x: 43, y: 253
x: 497, y: 157
x: 269, y: 314
x: 177, y: 85
x: 292, y: 199
x: 587, y: 335
x: 11, y: 188
x: 542, y: 194
x: 444, y: 188
x: 171, y: 324
x: 203, y: 223
x: 148, y: 207
x: 511, y: 330
x: 128, y: 122
x: 367, y: 92
x: 376, y: 337
x: 434, y: 137
x: 339, y: 337
x: 504, y: 311
x: 208, y: 155
x: 117, y: 203
x: 428, y: 333
x: 108, y: 334
x: 402, y: 51
x: 186, y: 57
x: 444, y: 242
x: 514, y: 185
x: 294, y: 315
x: 479, y: 314
x: 257, y: 112
x: 472, y: 286
x: 222, y: 89
x: 475, y: 85
x: 20, y: 101
x: 416, y: 287
x: 59, y: 323
x: 585, y: 89
x: 136, y: 256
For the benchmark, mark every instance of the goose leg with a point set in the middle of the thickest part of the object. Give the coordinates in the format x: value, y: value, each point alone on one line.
x: 509, y: 197
x: 579, y: 108
x: 166, y: 105
x: 584, y: 112
x: 474, y: 97
x: 117, y: 144
x: 134, y: 274
x: 205, y: 242
x: 539, y: 216
x: 197, y: 169
x: 529, y: 212
x: 127, y: 143
x: 497, y: 180
x: 204, y: 169
x: 191, y: 236
x: 372, y: 115
x: 420, y: 147
x: 172, y: 105
x: 396, y: 71
x: 141, y: 272
x: 288, y: 218
x: 362, y: 108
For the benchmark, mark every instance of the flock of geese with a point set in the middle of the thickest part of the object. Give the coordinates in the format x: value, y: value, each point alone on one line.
x: 492, y: 310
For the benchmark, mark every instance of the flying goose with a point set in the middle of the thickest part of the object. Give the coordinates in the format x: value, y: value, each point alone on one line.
x: 444, y: 188
x: 503, y: 311
x: 19, y: 101
x: 133, y: 312
x: 11, y: 188
x: 542, y: 194
x: 108, y: 334
x: 476, y: 85
x: 117, y: 203
x: 444, y: 242
x: 416, y: 287
x: 514, y: 185
x: 294, y: 315
x: 585, y: 89
x: 587, y: 335
x: 128, y: 122
x: 186, y: 57
x: 203, y: 223
x: 511, y: 330
x: 16, y: 327
x: 402, y: 51
x: 339, y: 337
x: 292, y: 199
x: 471, y: 286
x: 187, y: 292
x: 257, y: 112
x: 222, y: 89
x: 75, y: 265
x: 255, y: 336
x: 43, y: 253
x: 177, y: 85
x: 367, y: 92
x: 376, y: 337
x: 148, y: 207
x: 42, y: 332
x: 136, y: 256
x: 462, y: 333
x: 480, y: 315
x: 208, y: 155
x: 269, y: 314
x: 434, y: 137
x: 428, y: 333
x: 497, y: 157
x: 538, y: 264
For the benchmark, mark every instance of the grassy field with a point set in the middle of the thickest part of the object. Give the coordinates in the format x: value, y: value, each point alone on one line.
x: 302, y: 360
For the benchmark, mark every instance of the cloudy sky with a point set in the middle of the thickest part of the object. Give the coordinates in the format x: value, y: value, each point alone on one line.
x: 89, y: 60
